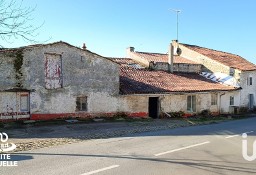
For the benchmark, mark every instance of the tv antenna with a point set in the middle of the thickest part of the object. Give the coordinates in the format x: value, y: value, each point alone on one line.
x: 177, y: 13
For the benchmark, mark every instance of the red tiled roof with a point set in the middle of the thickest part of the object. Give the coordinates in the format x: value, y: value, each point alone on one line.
x: 142, y: 81
x: 158, y: 57
x: 228, y: 59
x: 123, y: 61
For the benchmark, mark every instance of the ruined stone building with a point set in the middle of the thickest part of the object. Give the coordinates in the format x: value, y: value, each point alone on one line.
x: 55, y: 80
x: 59, y: 80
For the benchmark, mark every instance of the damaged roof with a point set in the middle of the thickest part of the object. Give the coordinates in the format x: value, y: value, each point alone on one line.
x: 228, y: 59
x: 144, y: 81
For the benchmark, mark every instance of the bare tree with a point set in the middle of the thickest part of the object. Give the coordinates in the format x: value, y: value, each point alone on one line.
x: 15, y: 21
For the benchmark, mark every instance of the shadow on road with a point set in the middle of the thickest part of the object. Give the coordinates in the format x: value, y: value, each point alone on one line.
x: 206, y: 165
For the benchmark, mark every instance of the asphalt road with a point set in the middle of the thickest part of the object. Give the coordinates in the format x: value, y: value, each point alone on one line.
x: 208, y: 149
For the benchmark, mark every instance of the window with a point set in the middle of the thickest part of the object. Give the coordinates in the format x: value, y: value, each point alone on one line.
x: 81, y: 103
x: 251, y: 101
x: 24, y: 102
x: 191, y: 103
x: 231, y: 71
x: 214, y: 99
x: 53, y: 71
x: 250, y: 81
x: 232, y: 101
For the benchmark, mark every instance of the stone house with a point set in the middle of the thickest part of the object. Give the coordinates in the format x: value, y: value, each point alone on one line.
x: 55, y: 80
x: 152, y: 92
x: 58, y: 80
x: 232, y: 65
x: 218, y: 66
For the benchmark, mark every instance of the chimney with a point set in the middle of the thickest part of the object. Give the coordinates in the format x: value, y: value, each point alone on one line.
x: 84, y: 46
x: 129, y: 50
x: 170, y: 58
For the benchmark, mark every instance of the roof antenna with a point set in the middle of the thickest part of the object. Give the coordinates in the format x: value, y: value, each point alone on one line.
x: 177, y: 12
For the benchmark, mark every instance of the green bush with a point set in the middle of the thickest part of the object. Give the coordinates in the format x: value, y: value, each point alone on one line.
x: 205, y: 113
x: 178, y: 114
x: 243, y: 110
x: 120, y: 115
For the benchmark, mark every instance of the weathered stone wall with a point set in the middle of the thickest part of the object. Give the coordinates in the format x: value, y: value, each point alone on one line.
x: 84, y: 74
x: 247, y: 88
x: 178, y: 67
x: 10, y: 76
x: 209, y: 65
x: 10, y: 105
x: 224, y: 100
x: 178, y: 102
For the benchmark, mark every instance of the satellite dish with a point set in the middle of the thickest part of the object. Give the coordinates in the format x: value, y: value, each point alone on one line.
x: 178, y: 51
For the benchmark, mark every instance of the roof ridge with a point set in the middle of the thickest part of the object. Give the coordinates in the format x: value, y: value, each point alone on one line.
x: 151, y: 53
x: 211, y: 49
x: 119, y: 58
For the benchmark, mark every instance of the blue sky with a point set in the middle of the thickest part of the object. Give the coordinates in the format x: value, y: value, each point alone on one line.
x: 108, y: 27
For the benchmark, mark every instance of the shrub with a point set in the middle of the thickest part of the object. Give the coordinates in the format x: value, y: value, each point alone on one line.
x: 120, y: 115
x: 205, y: 113
x: 243, y: 110
x: 178, y: 114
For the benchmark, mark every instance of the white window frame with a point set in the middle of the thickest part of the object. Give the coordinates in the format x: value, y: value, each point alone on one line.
x: 192, y: 107
x: 214, y: 99
x: 231, y: 100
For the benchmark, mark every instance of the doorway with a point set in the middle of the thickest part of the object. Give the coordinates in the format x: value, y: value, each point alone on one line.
x: 153, y: 107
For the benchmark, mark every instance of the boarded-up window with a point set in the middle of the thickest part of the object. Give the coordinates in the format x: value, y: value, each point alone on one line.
x: 81, y: 103
x: 24, y: 102
x: 53, y: 71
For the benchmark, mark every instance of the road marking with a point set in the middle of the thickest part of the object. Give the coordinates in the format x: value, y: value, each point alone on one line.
x: 100, y: 170
x: 228, y: 137
x: 183, y: 148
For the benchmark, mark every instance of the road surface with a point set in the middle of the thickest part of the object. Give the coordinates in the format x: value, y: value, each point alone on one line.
x: 207, y: 149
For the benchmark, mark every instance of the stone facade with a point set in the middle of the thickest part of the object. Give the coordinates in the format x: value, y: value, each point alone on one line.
x: 77, y: 74
x: 177, y: 67
x: 179, y: 102
x: 242, y: 76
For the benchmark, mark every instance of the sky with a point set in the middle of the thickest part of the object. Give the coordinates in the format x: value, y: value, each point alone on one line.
x: 108, y: 27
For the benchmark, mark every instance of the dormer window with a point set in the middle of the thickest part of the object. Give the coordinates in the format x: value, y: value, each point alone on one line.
x: 231, y: 71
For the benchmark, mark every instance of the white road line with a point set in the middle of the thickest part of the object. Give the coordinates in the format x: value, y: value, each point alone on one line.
x: 228, y: 137
x: 183, y: 148
x: 100, y: 170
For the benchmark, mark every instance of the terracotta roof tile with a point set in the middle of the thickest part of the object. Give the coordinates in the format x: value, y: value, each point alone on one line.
x: 158, y: 57
x: 225, y: 58
x: 142, y: 81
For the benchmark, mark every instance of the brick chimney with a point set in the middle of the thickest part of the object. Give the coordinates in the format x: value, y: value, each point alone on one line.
x: 84, y: 46
x: 129, y: 50
x: 170, y: 58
